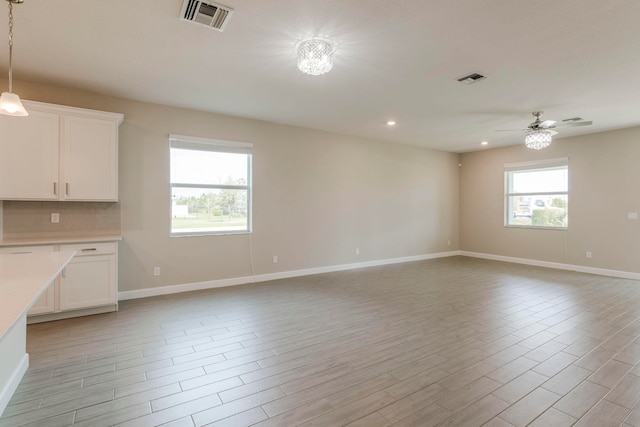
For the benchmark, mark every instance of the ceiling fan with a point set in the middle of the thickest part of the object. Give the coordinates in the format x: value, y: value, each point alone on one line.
x: 538, y: 134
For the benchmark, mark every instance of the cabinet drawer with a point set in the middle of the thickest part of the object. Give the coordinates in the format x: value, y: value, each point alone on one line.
x: 25, y: 249
x: 86, y: 249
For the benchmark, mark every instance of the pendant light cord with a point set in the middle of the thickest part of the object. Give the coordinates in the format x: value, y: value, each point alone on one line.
x: 10, y: 46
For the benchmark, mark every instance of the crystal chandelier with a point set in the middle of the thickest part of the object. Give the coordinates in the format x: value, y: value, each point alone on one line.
x: 315, y: 57
x: 538, y: 139
x: 10, y: 103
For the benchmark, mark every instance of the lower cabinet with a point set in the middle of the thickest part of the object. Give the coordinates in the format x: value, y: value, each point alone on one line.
x: 87, y: 285
x: 46, y: 302
x: 89, y: 280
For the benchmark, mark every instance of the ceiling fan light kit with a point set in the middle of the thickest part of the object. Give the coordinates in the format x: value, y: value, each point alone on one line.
x: 538, y: 139
x: 315, y: 57
x: 10, y: 103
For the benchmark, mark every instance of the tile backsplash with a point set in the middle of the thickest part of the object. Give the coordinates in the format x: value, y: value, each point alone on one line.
x: 26, y: 220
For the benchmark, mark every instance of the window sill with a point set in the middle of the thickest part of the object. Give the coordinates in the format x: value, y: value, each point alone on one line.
x: 209, y: 233
x: 533, y: 227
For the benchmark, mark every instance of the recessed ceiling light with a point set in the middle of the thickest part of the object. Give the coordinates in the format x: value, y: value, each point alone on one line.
x: 484, y: 143
x: 391, y: 123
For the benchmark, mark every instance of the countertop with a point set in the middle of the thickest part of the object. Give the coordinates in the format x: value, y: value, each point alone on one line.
x: 59, y: 240
x: 23, y: 278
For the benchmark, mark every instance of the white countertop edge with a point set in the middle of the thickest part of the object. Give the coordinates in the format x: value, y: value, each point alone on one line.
x: 42, y: 267
x: 66, y: 254
x: 60, y: 240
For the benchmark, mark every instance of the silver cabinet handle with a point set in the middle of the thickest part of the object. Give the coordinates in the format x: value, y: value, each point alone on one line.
x: 55, y: 188
x: 64, y: 272
x: 66, y: 189
x: 89, y: 249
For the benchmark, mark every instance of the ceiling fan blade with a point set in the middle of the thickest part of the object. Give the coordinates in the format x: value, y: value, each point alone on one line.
x: 547, y: 123
x: 510, y: 130
x: 587, y: 123
x: 573, y: 124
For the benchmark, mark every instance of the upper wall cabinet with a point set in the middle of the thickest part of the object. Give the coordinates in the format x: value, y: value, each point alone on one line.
x: 59, y: 153
x: 29, y: 148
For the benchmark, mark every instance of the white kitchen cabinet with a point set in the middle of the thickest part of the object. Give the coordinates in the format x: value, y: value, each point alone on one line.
x: 59, y: 153
x: 29, y: 148
x: 89, y: 280
x: 89, y: 158
x: 87, y: 285
x: 46, y: 302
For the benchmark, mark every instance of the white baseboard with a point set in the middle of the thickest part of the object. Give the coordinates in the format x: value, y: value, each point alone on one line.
x: 211, y: 284
x: 11, y: 385
x: 166, y: 290
x: 557, y: 265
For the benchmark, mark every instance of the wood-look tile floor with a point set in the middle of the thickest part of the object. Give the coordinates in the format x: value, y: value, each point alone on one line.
x: 447, y: 342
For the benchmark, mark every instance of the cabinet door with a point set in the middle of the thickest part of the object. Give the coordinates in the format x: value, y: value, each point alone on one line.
x: 88, y: 281
x: 46, y: 302
x: 89, y: 159
x: 29, y: 156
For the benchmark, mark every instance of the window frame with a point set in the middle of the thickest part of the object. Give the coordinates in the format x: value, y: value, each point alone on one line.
x: 532, y: 166
x: 218, y: 146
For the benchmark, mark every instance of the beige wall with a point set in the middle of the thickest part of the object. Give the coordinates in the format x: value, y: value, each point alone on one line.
x: 317, y: 196
x: 604, y: 185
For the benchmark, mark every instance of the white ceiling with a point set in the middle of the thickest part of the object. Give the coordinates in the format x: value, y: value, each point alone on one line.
x: 395, y: 59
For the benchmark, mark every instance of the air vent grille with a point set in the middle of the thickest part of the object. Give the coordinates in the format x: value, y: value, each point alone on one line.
x: 208, y: 14
x: 471, y: 78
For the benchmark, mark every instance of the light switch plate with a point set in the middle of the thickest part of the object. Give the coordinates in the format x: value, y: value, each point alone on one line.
x: 55, y: 218
x: 632, y: 215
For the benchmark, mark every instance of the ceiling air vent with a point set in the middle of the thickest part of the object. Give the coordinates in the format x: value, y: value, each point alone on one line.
x: 471, y: 78
x: 206, y: 13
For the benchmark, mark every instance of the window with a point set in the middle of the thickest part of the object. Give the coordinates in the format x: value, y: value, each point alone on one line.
x: 537, y: 194
x: 210, y: 186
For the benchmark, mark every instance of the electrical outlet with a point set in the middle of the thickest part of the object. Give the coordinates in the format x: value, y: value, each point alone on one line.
x: 588, y: 254
x: 449, y: 242
x: 156, y: 271
x: 55, y: 218
x: 357, y: 251
x: 275, y: 259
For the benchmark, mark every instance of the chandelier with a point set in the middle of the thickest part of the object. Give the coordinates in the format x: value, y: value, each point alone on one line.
x: 315, y: 57
x: 10, y: 103
x: 538, y: 139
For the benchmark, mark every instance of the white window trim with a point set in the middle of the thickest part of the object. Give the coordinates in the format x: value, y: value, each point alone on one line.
x: 198, y: 143
x: 531, y: 165
x: 217, y: 145
x: 536, y: 164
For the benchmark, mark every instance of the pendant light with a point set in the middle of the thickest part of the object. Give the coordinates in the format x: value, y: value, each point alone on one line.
x: 315, y: 57
x: 10, y: 103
